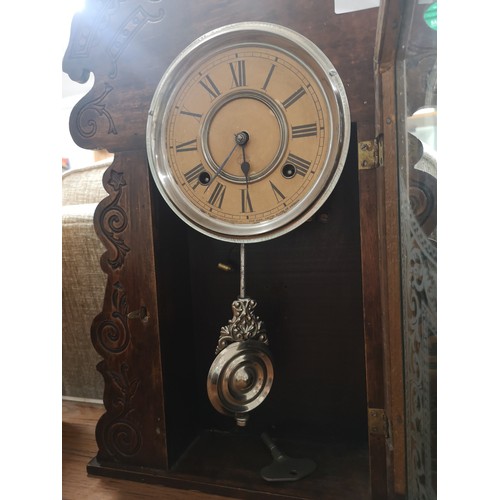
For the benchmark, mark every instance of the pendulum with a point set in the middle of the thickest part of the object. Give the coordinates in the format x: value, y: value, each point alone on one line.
x: 241, y: 374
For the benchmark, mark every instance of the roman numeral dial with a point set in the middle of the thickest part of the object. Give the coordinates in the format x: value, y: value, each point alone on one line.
x: 247, y: 132
x: 264, y: 98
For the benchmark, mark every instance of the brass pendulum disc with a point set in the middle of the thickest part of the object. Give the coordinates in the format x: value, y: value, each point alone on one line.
x: 240, y: 377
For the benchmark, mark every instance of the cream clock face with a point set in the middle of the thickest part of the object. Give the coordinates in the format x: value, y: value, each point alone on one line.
x: 248, y: 131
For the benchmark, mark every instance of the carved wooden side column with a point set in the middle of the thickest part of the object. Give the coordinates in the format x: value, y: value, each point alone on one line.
x: 132, y: 429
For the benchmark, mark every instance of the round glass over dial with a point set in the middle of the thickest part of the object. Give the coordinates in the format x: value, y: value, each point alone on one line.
x: 248, y: 132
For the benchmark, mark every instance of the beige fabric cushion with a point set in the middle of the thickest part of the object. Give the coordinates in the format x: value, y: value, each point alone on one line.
x: 83, y: 282
x: 84, y: 185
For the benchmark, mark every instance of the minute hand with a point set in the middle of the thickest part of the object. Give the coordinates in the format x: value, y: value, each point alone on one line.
x: 222, y: 165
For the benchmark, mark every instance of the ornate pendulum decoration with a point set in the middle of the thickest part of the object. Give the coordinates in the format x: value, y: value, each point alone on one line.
x: 241, y: 375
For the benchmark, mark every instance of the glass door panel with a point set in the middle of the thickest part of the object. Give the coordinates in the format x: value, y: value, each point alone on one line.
x: 417, y: 159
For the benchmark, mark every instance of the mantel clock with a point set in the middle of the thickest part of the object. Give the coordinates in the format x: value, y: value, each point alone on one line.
x: 265, y: 131
x: 246, y: 137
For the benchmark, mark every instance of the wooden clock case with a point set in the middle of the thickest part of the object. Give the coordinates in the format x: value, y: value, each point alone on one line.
x: 323, y: 290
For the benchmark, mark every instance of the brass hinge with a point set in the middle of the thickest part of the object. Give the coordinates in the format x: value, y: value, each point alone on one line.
x: 377, y: 422
x: 370, y: 153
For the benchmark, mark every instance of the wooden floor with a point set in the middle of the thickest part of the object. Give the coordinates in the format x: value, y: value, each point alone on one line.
x: 79, y: 447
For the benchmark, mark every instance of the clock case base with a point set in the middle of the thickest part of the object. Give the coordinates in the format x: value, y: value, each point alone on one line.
x: 212, y: 464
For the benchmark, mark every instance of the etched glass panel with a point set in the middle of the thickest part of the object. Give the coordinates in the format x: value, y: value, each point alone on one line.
x: 417, y: 158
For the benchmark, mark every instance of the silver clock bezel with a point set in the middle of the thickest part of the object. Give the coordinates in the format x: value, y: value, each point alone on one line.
x: 318, y: 66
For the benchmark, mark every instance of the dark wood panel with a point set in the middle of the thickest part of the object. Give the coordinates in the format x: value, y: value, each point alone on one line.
x: 374, y: 346
x: 388, y: 220
x: 175, y: 316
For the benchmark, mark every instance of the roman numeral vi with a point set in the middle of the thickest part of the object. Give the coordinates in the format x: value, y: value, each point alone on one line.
x: 246, y: 203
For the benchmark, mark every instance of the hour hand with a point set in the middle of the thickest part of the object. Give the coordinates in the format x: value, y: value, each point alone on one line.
x: 245, y: 166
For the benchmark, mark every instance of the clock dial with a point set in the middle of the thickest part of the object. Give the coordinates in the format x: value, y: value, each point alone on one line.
x: 248, y: 137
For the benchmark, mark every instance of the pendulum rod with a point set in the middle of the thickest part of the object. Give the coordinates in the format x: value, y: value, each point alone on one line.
x: 242, y: 372
x: 242, y: 271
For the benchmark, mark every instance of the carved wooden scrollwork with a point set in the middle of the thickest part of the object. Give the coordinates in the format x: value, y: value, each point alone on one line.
x: 103, y: 40
x: 113, y: 220
x: 90, y: 113
x: 115, y: 332
x: 104, y: 32
x: 130, y: 26
x: 118, y: 433
x: 111, y: 334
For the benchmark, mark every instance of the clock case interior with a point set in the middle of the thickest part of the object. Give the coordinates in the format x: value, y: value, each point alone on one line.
x: 308, y: 283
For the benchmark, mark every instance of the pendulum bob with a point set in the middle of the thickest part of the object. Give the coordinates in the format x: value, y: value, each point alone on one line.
x: 242, y: 373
